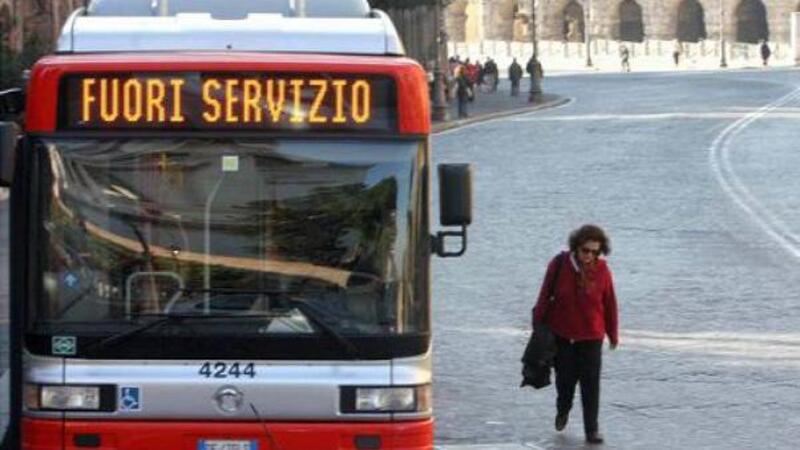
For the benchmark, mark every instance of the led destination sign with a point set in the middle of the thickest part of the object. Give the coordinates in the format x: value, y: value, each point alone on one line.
x: 205, y: 101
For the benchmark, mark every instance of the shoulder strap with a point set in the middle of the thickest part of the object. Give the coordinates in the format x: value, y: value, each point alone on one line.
x: 551, y: 293
x: 559, y: 263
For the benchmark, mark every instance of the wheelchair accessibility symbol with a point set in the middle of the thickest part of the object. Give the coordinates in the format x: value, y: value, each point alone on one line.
x: 130, y: 399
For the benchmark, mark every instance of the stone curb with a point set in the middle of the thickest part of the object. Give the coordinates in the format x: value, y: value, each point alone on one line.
x: 453, y: 124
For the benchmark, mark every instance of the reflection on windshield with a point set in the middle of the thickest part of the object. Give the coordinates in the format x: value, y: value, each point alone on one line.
x: 140, y: 227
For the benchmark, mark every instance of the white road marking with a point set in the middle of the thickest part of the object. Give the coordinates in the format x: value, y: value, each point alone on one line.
x: 741, y: 348
x: 654, y: 117
x: 569, y: 101
x: 767, y: 349
x: 719, y: 159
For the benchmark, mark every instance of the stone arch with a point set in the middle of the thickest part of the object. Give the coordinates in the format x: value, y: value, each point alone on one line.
x: 574, y: 25
x: 631, y: 25
x: 751, y: 21
x: 691, y: 22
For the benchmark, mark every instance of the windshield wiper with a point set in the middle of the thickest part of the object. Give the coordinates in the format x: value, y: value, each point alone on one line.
x: 319, y: 320
x: 310, y: 312
x: 161, y: 319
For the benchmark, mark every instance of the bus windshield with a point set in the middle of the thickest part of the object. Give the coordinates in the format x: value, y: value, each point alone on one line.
x: 242, y: 230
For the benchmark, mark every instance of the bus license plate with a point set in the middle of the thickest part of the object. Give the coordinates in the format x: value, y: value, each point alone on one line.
x: 227, y: 445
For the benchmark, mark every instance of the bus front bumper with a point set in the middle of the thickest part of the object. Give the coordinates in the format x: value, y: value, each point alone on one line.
x: 128, y: 435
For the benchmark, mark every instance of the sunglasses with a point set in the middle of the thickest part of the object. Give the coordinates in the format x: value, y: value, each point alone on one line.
x: 590, y: 251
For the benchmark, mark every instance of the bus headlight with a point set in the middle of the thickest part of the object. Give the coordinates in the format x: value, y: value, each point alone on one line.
x: 408, y: 399
x: 385, y: 399
x: 63, y: 398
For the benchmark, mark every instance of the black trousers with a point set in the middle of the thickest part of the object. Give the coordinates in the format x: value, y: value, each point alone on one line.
x: 463, y: 101
x: 579, y: 362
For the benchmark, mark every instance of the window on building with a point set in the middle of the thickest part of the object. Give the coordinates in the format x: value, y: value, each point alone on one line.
x: 691, y: 21
x: 751, y: 22
x: 574, y: 24
x: 631, y: 27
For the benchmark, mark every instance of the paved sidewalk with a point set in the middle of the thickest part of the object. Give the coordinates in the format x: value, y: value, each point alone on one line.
x: 489, y: 106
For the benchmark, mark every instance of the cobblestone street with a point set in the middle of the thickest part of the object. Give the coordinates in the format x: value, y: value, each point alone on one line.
x: 695, y: 177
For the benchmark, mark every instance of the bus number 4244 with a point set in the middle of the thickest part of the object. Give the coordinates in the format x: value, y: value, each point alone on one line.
x: 225, y: 370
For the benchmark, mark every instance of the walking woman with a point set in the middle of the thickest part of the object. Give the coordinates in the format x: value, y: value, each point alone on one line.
x: 583, y: 310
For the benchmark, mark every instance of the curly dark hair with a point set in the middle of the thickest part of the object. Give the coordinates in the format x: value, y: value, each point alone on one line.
x: 588, y: 233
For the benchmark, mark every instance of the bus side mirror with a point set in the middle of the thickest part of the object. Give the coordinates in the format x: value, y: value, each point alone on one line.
x: 12, y: 103
x: 8, y: 151
x: 455, y: 206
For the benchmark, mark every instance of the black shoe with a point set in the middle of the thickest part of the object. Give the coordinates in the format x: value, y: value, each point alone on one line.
x: 594, y: 437
x: 561, y: 421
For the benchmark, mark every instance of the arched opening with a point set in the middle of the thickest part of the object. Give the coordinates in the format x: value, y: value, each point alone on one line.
x: 574, y: 24
x: 631, y: 27
x: 751, y: 22
x: 691, y: 21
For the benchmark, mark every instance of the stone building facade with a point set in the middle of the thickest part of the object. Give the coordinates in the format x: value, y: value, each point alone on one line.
x: 624, y: 20
x: 22, y: 21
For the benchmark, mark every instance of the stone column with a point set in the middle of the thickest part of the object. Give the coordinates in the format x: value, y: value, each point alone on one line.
x: 606, y: 20
x: 498, y: 20
x: 474, y: 28
x: 14, y: 37
x: 779, y: 18
x: 455, y: 21
x: 659, y: 19
x: 795, y: 17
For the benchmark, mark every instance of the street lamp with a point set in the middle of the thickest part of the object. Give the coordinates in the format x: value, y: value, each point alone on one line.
x: 723, y: 60
x: 439, y: 80
x: 587, y: 32
x: 536, y: 81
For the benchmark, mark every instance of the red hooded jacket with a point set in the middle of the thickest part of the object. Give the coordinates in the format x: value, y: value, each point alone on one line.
x: 580, y: 313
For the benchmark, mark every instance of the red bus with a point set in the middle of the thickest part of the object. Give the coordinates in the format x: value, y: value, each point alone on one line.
x: 220, y: 233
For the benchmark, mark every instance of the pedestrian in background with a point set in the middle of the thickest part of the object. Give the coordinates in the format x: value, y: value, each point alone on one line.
x: 676, y: 53
x: 536, y: 71
x: 583, y: 311
x: 530, y: 69
x: 453, y: 64
x: 462, y: 92
x: 481, y: 74
x: 515, y: 75
x: 492, y: 74
x: 471, y: 75
x: 625, y: 56
x: 765, y: 52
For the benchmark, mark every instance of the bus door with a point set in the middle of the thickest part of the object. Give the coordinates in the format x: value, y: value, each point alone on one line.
x: 5, y: 337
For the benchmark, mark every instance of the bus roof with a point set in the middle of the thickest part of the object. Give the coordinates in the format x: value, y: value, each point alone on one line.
x: 331, y: 30
x: 230, y: 9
